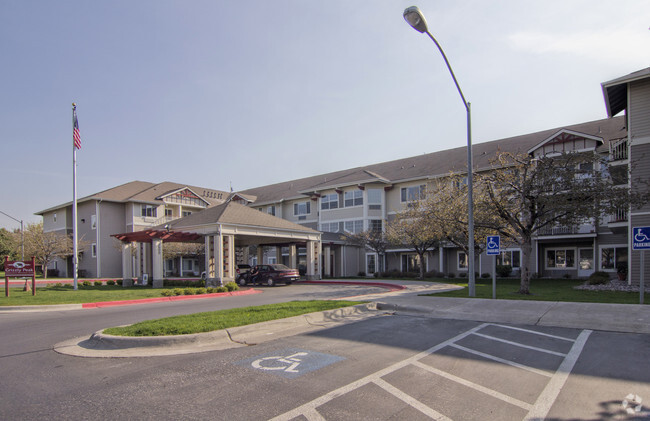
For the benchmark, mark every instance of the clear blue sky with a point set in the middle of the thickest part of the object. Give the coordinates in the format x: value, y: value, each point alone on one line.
x: 211, y: 93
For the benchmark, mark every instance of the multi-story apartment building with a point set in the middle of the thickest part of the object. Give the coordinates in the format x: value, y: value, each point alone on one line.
x: 369, y: 197
x: 131, y: 207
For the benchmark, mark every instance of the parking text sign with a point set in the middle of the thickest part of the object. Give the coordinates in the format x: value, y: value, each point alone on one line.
x: 641, y: 238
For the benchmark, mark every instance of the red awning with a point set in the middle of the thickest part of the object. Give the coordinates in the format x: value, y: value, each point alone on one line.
x: 167, y: 236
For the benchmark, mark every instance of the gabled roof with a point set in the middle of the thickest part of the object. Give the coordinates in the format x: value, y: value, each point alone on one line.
x: 434, y: 164
x: 615, y: 91
x: 232, y: 213
x: 562, y: 135
x: 145, y: 192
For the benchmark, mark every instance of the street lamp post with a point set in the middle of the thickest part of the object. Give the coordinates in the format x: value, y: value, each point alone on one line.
x: 415, y: 18
x: 22, y: 235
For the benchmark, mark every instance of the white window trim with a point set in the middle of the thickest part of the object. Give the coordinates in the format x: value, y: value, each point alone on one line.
x: 610, y: 246
x: 575, y: 258
x: 511, y: 250
x: 307, y: 205
x: 376, y: 263
x: 458, y: 266
x: 93, y: 249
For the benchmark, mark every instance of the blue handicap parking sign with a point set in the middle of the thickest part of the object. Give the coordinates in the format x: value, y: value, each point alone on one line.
x: 493, y: 245
x: 641, y: 238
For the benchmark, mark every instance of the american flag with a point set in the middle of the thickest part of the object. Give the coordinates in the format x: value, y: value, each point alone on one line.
x: 75, y: 131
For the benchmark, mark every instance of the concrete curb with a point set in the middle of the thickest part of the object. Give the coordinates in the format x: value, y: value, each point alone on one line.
x: 100, y: 344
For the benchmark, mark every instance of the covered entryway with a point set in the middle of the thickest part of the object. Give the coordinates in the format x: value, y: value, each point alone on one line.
x: 222, y: 228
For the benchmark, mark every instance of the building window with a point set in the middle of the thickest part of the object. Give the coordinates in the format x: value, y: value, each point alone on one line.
x: 168, y: 212
x: 302, y: 208
x: 374, y: 199
x: 560, y: 259
x: 270, y: 210
x: 93, y: 249
x: 613, y: 256
x: 410, y: 262
x: 93, y: 222
x: 353, y: 198
x: 329, y: 201
x: 375, y: 225
x: 329, y: 227
x: 371, y: 264
x: 463, y: 261
x: 148, y: 210
x: 186, y: 213
x: 353, y: 227
x: 413, y: 193
x: 510, y: 258
x: 54, y: 217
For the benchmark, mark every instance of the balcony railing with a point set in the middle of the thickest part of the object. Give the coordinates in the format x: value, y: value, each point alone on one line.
x: 565, y: 230
x: 619, y: 216
x: 618, y: 150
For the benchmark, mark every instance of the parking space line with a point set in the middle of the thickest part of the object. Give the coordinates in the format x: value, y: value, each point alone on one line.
x: 535, y: 332
x: 475, y: 386
x: 493, y: 338
x: 313, y: 415
x: 503, y: 361
x: 552, y: 390
x: 309, y: 406
x: 410, y: 400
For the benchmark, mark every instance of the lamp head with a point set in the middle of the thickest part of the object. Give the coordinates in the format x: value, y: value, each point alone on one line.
x: 415, y: 18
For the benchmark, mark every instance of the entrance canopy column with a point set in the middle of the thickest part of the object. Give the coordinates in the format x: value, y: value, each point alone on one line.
x: 312, y: 260
x: 157, y: 262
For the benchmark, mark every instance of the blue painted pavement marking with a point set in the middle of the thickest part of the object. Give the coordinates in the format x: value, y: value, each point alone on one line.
x: 290, y: 363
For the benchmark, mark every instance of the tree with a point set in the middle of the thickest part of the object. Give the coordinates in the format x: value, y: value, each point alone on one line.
x: 529, y: 194
x: 9, y: 244
x: 446, y: 210
x: 372, y: 239
x: 47, y: 246
x: 174, y: 249
x: 412, y: 228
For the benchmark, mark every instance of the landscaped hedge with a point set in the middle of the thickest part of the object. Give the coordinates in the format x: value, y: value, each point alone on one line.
x: 229, y: 287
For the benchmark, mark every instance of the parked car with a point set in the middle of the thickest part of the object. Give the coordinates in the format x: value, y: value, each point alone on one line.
x: 269, y: 275
x: 242, y: 270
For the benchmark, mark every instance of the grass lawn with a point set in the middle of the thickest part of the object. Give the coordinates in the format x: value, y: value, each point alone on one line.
x: 66, y: 295
x: 223, y: 319
x: 542, y: 290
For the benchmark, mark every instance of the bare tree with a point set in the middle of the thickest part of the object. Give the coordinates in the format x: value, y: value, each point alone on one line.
x: 47, y: 246
x: 375, y: 240
x: 529, y: 194
x: 412, y: 228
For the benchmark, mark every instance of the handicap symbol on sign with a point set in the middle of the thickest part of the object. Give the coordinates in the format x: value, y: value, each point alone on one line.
x: 288, y: 363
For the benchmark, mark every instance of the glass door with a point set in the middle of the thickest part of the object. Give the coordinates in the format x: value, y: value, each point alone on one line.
x: 585, y: 262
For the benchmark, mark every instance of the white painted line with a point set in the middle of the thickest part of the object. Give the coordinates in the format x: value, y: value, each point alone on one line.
x: 562, y: 338
x: 504, y: 361
x: 552, y: 390
x: 521, y: 345
x: 410, y: 400
x: 475, y: 386
x: 310, y: 406
x: 313, y: 415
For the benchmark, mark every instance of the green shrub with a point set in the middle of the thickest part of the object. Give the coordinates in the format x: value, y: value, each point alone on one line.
x: 98, y: 283
x: 222, y: 289
x: 86, y: 283
x: 231, y: 286
x: 503, y: 271
x: 567, y: 276
x: 189, y: 291
x: 119, y: 282
x: 451, y: 275
x: 361, y: 273
x: 598, y: 278
x: 167, y: 293
x: 211, y: 290
x: 485, y: 275
x: 110, y: 282
x: 463, y: 274
x: 200, y: 291
x: 58, y: 284
x: 178, y: 291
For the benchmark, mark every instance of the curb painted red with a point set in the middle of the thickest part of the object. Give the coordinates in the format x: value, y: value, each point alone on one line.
x: 103, y: 304
x: 393, y: 287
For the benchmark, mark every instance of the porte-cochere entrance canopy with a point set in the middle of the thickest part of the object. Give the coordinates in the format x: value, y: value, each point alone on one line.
x: 222, y: 228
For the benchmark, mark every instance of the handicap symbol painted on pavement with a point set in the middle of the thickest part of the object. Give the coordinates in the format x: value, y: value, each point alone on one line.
x: 290, y: 363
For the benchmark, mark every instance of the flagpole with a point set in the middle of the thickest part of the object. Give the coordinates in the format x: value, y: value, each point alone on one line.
x: 75, y: 262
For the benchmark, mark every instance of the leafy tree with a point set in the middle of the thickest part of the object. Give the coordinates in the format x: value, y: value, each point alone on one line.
x: 412, y: 228
x: 174, y: 249
x: 9, y: 244
x: 529, y: 194
x: 47, y: 246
